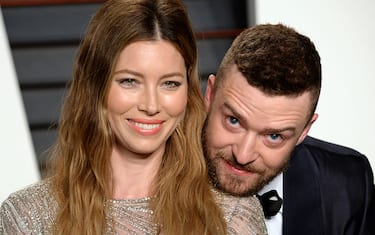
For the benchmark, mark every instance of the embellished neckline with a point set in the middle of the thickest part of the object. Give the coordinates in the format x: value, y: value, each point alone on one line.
x: 143, y: 200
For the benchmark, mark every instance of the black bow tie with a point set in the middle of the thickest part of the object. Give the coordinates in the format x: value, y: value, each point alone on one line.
x: 271, y: 203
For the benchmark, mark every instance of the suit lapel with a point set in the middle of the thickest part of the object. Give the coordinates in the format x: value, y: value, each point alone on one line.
x: 302, y: 213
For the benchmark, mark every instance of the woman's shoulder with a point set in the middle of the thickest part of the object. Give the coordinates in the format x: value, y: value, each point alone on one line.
x: 29, y: 208
x: 35, y: 194
x: 244, y: 215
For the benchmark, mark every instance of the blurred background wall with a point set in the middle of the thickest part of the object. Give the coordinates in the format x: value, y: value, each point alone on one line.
x: 18, y: 165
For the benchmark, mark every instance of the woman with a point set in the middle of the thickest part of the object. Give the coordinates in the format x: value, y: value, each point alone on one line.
x: 128, y: 157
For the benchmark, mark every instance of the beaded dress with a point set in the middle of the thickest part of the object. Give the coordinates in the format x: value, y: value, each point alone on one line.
x: 33, y: 210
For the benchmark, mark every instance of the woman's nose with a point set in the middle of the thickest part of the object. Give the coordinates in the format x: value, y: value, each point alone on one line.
x: 149, y: 102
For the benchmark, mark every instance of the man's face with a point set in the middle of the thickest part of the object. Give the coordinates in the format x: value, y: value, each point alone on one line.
x: 249, y: 136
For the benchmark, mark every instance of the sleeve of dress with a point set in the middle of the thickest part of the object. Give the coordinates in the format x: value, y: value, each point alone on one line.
x: 11, y: 221
x: 30, y: 211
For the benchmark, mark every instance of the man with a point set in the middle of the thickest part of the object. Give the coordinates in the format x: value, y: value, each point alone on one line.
x: 261, y: 106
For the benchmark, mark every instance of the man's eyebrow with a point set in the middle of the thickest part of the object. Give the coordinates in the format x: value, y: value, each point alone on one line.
x: 272, y: 130
x: 235, y: 113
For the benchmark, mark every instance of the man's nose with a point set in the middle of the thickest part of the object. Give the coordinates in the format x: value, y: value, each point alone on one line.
x: 245, y: 150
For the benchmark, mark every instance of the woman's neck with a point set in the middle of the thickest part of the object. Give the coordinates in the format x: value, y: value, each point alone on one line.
x: 133, y: 174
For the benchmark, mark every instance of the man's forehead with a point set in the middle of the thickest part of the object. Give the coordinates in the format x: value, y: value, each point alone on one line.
x: 247, y: 101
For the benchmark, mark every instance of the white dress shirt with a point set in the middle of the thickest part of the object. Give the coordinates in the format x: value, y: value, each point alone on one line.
x: 274, y: 224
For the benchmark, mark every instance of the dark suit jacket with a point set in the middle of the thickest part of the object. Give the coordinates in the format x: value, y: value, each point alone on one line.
x: 328, y: 189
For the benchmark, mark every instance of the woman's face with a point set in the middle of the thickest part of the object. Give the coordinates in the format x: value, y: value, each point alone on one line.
x: 147, y: 97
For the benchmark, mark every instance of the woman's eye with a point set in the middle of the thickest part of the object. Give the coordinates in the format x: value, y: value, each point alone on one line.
x: 128, y: 82
x: 171, y: 84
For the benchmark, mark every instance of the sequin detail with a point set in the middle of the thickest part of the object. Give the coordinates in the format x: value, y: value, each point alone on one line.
x: 33, y: 210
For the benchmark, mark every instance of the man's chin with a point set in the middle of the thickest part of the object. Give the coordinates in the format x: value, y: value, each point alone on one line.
x: 239, y: 190
x: 238, y: 193
x: 243, y: 188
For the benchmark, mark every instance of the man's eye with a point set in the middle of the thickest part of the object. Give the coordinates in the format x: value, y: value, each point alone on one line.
x: 274, y: 137
x: 233, y: 120
x: 273, y: 140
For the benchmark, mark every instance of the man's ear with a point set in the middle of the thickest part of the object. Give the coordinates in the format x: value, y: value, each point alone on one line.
x: 307, y: 128
x: 209, y: 94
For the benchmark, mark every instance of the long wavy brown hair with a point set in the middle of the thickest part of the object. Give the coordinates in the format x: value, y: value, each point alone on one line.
x: 81, y: 170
